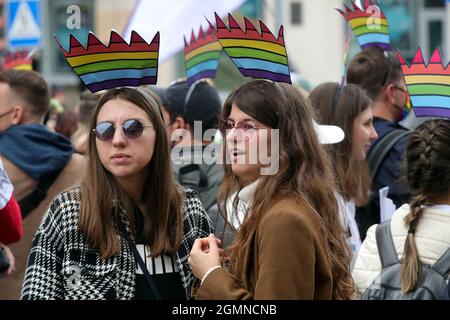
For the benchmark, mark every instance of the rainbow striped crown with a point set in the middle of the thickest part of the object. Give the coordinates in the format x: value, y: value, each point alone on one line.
x: 119, y: 64
x: 428, y: 85
x: 369, y: 25
x: 257, y: 55
x: 201, y: 55
x: 20, y: 60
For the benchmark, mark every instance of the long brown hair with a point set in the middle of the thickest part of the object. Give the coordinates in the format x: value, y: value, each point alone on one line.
x: 428, y: 176
x: 163, y: 221
x: 304, y: 172
x: 340, y: 106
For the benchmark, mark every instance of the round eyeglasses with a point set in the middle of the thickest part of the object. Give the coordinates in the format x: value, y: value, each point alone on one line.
x: 244, y: 128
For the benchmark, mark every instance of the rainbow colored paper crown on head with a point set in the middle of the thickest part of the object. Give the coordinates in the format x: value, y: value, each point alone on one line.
x: 201, y: 55
x: 119, y: 64
x: 255, y: 54
x: 428, y: 85
x: 19, y: 60
x: 368, y: 24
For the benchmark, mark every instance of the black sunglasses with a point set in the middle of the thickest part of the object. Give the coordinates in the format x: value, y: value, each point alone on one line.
x: 132, y: 129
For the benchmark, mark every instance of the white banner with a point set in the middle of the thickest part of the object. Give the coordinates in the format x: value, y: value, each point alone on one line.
x: 175, y: 18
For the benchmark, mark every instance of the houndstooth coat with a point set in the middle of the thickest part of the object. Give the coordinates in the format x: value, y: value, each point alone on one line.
x: 59, y: 253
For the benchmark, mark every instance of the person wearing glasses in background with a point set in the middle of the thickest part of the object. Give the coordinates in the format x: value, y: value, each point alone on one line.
x: 291, y: 244
x: 379, y: 74
x: 126, y: 231
x: 190, y: 110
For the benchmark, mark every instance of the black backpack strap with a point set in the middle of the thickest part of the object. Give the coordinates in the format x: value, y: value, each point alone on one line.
x: 32, y: 200
x: 379, y: 152
x: 442, y: 266
x: 385, y: 244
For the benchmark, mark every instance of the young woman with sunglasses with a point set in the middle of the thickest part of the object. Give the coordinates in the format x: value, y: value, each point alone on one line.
x: 290, y: 244
x: 126, y: 231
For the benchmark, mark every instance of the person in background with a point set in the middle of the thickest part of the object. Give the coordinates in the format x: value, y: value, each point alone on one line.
x: 50, y: 117
x: 40, y: 163
x: 348, y: 107
x: 10, y: 223
x: 128, y: 228
x: 184, y: 105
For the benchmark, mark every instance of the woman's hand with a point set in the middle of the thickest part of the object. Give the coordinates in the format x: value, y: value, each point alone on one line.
x: 205, y: 254
x: 10, y: 257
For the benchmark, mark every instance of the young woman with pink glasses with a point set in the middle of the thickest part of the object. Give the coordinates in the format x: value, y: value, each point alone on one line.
x: 290, y: 244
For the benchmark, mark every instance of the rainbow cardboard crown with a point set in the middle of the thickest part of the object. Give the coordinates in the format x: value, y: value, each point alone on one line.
x: 119, y: 64
x: 369, y: 25
x: 428, y: 85
x: 255, y: 54
x: 201, y: 55
x: 20, y: 60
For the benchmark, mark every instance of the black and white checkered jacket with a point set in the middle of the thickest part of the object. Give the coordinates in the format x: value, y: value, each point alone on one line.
x: 62, y: 266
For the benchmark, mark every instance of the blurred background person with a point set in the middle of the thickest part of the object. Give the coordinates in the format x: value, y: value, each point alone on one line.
x: 183, y: 105
x: 66, y: 123
x: 86, y: 107
x: 50, y: 117
x: 292, y: 207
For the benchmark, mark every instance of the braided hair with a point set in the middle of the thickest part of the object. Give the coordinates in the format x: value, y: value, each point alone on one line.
x: 428, y: 176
